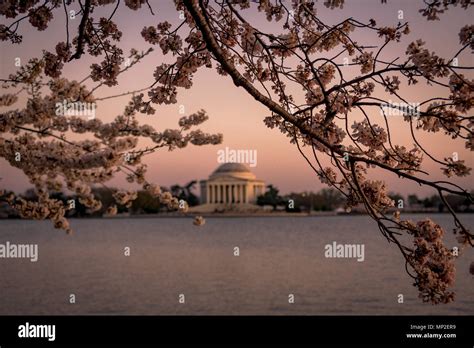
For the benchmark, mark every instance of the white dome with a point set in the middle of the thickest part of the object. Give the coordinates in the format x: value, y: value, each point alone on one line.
x: 235, y: 170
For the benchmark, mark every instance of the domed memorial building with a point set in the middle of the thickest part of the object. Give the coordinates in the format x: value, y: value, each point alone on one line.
x: 232, y: 186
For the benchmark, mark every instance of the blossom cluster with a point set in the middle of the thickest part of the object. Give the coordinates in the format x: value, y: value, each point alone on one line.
x: 432, y: 262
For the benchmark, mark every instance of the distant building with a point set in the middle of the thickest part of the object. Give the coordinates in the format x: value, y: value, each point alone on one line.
x: 232, y: 186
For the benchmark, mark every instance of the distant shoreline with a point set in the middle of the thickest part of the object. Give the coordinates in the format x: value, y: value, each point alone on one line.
x: 269, y: 214
x: 237, y: 215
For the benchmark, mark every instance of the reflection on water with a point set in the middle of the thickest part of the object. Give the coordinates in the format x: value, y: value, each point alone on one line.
x: 169, y: 256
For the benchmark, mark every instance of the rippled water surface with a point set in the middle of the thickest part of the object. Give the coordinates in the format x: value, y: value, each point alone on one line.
x: 169, y: 256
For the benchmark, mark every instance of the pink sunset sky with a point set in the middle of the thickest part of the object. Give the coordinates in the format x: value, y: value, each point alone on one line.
x: 232, y: 111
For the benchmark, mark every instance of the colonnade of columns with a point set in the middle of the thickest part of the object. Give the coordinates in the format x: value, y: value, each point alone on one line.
x: 227, y: 193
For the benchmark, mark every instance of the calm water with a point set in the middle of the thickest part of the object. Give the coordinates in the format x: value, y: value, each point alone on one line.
x: 170, y: 256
